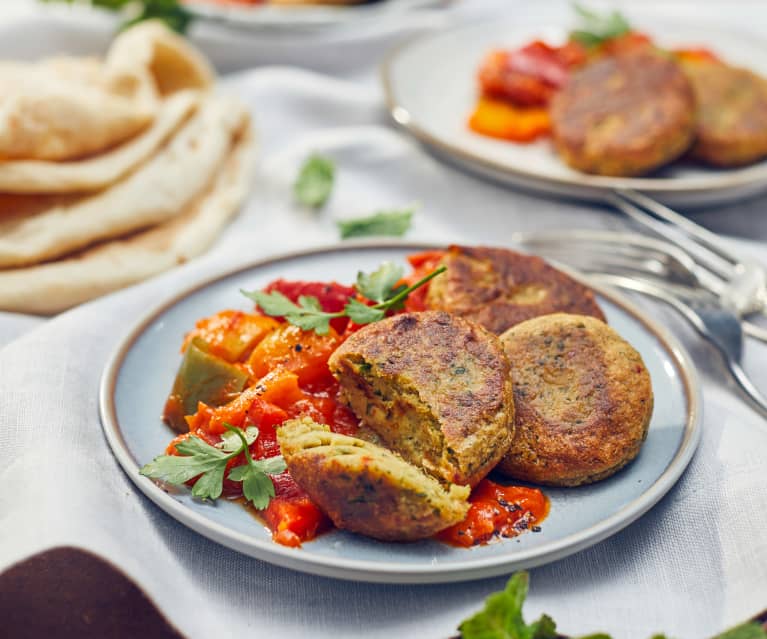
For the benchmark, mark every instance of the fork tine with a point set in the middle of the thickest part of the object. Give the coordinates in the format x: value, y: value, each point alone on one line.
x: 722, y: 268
x: 699, y: 233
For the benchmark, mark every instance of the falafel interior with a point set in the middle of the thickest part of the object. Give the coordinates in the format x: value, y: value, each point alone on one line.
x: 366, y: 488
x: 435, y: 388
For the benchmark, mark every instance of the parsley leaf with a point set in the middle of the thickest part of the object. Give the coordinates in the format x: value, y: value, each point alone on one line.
x: 748, y: 630
x: 315, y: 181
x: 360, y: 313
x: 596, y: 27
x: 379, y: 285
x: 231, y: 442
x: 257, y: 487
x: 393, y: 223
x: 169, y: 11
x: 208, y: 463
x: 502, y: 616
x: 308, y: 314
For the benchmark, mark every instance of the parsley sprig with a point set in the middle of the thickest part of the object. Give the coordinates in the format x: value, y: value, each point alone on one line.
x: 502, y: 618
x: 197, y: 457
x: 314, y: 183
x: 133, y: 11
x: 379, y: 286
x: 596, y: 28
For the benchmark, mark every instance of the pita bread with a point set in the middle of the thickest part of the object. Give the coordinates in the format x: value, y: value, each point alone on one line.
x: 38, y: 228
x: 68, y: 108
x: 55, y: 286
x: 97, y: 172
x: 173, y: 63
x: 48, y: 114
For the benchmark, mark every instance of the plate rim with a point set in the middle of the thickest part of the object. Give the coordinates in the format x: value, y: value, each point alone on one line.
x: 739, y: 177
x: 377, y: 572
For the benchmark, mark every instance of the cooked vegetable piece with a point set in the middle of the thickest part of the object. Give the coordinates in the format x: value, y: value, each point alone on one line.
x: 289, y: 348
x: 499, y: 119
x: 232, y: 335
x: 202, y: 377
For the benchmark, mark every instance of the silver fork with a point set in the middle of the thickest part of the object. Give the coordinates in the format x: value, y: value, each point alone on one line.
x: 665, y: 264
x: 720, y: 326
x: 741, y: 284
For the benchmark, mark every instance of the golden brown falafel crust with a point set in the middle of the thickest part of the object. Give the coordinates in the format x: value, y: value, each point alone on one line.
x: 732, y: 114
x: 365, y: 488
x: 583, y: 400
x: 499, y: 288
x: 436, y: 389
x: 624, y: 115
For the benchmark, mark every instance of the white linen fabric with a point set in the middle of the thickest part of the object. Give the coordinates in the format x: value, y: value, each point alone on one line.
x: 693, y: 565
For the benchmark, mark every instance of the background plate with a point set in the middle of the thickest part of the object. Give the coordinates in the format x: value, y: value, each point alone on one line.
x: 140, y: 374
x: 433, y: 101
x: 305, y: 17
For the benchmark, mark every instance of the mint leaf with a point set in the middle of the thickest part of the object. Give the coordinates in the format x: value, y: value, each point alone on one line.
x: 502, y: 616
x: 392, y: 223
x: 315, y: 181
x: 379, y: 285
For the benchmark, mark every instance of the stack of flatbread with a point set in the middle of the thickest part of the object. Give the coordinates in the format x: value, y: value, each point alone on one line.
x: 113, y: 170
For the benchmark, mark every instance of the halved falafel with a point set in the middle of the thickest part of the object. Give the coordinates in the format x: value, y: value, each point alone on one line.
x: 624, y: 115
x: 499, y: 288
x: 365, y: 488
x: 583, y: 400
x: 732, y: 114
x: 435, y: 388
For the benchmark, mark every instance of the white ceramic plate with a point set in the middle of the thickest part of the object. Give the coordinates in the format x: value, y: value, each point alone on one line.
x: 305, y: 17
x: 433, y: 100
x: 140, y: 374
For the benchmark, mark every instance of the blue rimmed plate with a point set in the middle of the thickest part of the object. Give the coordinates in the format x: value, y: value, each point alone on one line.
x: 141, y: 371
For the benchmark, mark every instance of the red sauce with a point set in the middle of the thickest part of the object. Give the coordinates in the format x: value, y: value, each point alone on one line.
x: 496, y: 512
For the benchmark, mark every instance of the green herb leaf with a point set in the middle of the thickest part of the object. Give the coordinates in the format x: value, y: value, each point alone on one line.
x: 595, y: 28
x: 748, y: 630
x: 169, y: 11
x: 393, y: 223
x: 315, y: 181
x: 379, y: 285
x: 257, y: 487
x: 230, y: 442
x: 360, y: 313
x: 208, y: 463
x: 275, y: 303
x: 308, y: 314
x: 502, y: 616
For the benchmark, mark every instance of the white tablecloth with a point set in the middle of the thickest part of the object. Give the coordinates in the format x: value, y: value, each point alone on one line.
x: 694, y: 564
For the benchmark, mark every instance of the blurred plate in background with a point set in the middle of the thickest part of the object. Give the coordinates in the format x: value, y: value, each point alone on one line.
x: 433, y: 100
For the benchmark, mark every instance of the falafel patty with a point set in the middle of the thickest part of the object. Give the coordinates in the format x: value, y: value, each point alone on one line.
x: 732, y: 114
x: 435, y: 388
x: 365, y: 488
x: 499, y: 288
x: 583, y: 400
x: 624, y: 115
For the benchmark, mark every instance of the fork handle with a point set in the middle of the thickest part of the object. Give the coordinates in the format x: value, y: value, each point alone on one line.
x: 757, y: 400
